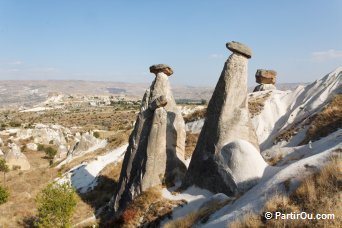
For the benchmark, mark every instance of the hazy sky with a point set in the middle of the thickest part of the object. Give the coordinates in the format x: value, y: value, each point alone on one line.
x: 119, y: 40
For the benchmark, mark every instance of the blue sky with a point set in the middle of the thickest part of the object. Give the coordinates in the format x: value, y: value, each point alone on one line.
x: 118, y: 40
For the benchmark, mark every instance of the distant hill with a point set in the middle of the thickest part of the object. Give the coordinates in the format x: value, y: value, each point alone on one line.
x: 28, y: 93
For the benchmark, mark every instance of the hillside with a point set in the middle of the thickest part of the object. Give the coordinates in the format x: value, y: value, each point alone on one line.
x: 30, y: 93
x: 299, y: 131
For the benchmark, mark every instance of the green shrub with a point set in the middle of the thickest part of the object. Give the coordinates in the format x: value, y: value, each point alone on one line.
x: 56, y: 204
x: 15, y: 124
x: 40, y: 147
x: 23, y: 148
x: 96, y: 134
x: 4, y: 194
x: 50, y: 152
x: 4, y: 168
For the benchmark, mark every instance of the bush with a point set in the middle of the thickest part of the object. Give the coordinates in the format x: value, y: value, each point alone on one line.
x: 40, y: 147
x: 96, y: 134
x: 4, y: 194
x: 50, y: 152
x: 4, y: 168
x: 56, y: 204
x: 16, y: 167
x: 14, y: 124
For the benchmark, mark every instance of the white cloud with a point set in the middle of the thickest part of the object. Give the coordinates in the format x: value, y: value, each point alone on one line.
x: 326, y: 55
x: 215, y: 56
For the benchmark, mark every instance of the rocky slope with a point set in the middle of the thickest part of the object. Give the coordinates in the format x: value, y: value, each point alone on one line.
x: 298, y: 132
x: 281, y: 127
x: 285, y: 151
x: 281, y: 120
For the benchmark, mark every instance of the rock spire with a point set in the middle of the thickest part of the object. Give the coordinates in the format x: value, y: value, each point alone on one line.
x: 155, y: 154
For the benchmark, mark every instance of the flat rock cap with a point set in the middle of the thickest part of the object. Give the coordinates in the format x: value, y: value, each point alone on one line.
x: 266, y: 73
x: 239, y: 48
x: 265, y: 76
x: 155, y: 69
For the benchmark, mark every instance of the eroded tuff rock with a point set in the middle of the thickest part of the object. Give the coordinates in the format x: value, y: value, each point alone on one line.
x: 32, y: 146
x: 240, y: 48
x: 266, y: 79
x: 245, y: 163
x: 84, y: 143
x: 62, y: 153
x: 227, y: 121
x: 14, y: 158
x: 155, y: 154
x: 45, y: 134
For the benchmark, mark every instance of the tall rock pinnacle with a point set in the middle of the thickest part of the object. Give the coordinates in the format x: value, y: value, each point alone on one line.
x: 155, y: 154
x: 227, y: 122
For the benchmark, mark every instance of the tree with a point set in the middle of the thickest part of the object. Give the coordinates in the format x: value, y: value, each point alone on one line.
x: 4, y: 194
x: 4, y: 168
x: 96, y: 134
x: 50, y: 153
x: 40, y: 147
x: 56, y: 204
x: 204, y: 102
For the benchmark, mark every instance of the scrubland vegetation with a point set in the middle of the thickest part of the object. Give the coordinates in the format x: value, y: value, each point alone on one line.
x: 318, y: 193
x: 56, y: 204
x: 22, y: 187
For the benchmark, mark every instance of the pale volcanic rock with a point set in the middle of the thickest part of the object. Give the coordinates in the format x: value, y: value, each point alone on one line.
x: 245, y: 162
x: 237, y: 47
x: 14, y: 158
x: 62, y: 153
x: 45, y: 134
x: 264, y: 87
x: 32, y: 146
x: 85, y: 143
x: 161, y: 68
x: 155, y: 154
x: 227, y: 121
x: 266, y: 76
x: 158, y: 102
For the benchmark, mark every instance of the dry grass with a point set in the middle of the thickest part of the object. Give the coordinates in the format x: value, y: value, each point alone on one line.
x: 325, y: 122
x: 200, y: 216
x: 318, y: 193
x: 23, y: 187
x: 88, y: 118
x: 274, y: 160
x: 196, y: 115
x: 107, y: 183
x: 137, y: 208
x: 20, y: 210
x: 287, y: 134
x: 159, y: 210
x: 320, y: 125
x: 146, y: 210
x: 256, y: 104
x: 190, y: 144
